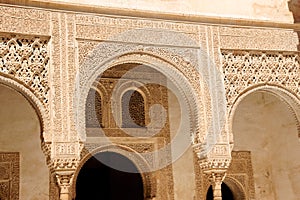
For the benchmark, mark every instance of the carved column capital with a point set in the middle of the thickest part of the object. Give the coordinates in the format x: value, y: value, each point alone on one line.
x: 64, y: 180
x: 215, y: 165
x: 64, y: 169
x: 216, y: 178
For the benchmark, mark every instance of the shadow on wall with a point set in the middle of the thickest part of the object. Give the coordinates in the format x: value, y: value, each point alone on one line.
x: 294, y: 7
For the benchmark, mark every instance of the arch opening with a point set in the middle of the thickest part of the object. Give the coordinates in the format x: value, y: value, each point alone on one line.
x: 99, y: 181
x: 20, y: 147
x: 159, y: 110
x: 227, y: 194
x: 263, y: 120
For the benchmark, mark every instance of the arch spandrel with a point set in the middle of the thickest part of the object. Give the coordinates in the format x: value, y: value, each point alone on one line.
x: 26, y: 59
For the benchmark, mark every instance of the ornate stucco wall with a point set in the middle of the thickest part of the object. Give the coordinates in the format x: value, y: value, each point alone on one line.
x: 52, y: 52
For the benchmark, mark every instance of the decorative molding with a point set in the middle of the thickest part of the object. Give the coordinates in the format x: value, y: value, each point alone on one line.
x: 24, y: 20
x: 64, y: 164
x: 218, y: 158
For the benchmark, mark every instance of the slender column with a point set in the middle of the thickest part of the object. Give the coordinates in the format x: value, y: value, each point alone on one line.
x: 64, y: 180
x: 216, y: 179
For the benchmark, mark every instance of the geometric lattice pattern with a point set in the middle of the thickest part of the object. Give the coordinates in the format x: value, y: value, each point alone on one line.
x: 243, y: 69
x: 26, y: 59
x: 133, y: 109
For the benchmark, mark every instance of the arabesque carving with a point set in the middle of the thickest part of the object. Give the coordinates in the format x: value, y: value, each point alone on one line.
x: 26, y: 59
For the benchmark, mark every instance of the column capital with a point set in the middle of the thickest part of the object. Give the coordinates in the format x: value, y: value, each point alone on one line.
x: 216, y: 178
x: 64, y: 181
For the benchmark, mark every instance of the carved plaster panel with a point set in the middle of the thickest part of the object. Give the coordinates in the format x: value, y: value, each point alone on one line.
x: 243, y: 69
x: 25, y: 58
x: 258, y: 38
x: 24, y: 20
x: 241, y: 172
x: 9, y: 176
x: 89, y: 27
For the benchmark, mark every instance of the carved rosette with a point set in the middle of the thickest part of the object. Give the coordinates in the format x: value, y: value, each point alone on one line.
x: 26, y: 59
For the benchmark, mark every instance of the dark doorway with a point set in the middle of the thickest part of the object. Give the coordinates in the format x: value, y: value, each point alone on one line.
x: 98, y: 181
x: 226, y: 193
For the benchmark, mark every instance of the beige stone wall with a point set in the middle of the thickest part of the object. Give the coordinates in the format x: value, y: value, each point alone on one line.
x: 264, y: 125
x: 266, y: 10
x: 20, y: 132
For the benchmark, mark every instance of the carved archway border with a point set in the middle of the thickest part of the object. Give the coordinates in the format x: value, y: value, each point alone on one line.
x: 148, y: 178
x: 190, y: 85
x: 291, y: 99
x: 236, y: 187
x: 41, y: 111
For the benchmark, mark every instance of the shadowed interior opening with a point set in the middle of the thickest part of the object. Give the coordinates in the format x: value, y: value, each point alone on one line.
x: 100, y: 181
